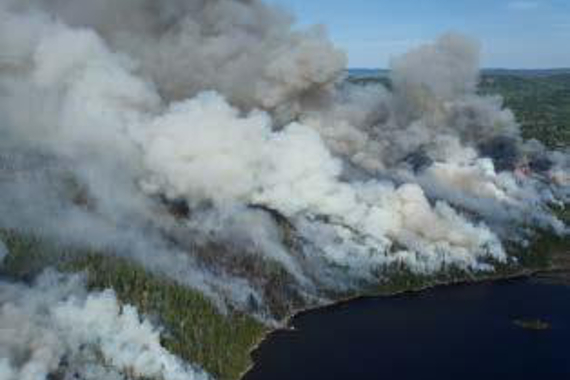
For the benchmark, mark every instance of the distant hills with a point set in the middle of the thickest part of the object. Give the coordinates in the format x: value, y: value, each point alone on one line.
x: 368, y: 73
x: 528, y: 72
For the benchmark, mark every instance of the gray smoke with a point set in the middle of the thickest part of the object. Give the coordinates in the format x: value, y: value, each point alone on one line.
x: 211, y: 142
x: 246, y: 50
x: 434, y: 130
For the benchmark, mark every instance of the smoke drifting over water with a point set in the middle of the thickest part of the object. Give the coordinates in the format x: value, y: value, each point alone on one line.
x: 158, y: 130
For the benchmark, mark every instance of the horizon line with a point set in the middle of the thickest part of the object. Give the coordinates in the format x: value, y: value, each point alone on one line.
x: 482, y: 69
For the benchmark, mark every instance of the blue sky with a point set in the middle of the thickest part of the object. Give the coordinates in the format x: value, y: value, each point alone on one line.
x: 514, y: 34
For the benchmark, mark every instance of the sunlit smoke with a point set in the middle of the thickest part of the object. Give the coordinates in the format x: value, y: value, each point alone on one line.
x: 56, y: 326
x: 156, y: 130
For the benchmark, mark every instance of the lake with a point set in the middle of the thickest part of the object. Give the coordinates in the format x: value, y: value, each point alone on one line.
x: 457, y: 332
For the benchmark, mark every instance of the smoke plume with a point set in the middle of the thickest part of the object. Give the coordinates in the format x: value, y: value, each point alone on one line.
x: 56, y: 327
x: 211, y: 140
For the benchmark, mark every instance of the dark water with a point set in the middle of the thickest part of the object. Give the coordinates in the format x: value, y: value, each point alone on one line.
x: 460, y: 333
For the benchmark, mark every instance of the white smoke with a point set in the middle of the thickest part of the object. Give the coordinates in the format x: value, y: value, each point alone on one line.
x: 201, y: 146
x: 56, y: 326
x: 115, y: 112
x: 84, y: 107
x: 434, y: 130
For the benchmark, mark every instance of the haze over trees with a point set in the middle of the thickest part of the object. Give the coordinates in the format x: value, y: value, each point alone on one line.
x: 212, y: 165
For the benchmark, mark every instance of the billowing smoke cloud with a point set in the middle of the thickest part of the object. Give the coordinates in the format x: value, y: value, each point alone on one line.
x: 246, y: 50
x: 292, y: 171
x: 211, y: 142
x: 434, y: 130
x: 72, y: 158
x: 56, y: 328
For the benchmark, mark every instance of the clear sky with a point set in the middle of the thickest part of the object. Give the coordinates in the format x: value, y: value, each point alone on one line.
x: 513, y: 33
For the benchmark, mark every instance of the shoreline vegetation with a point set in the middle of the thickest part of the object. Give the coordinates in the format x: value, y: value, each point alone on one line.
x: 223, y: 343
x: 194, y: 328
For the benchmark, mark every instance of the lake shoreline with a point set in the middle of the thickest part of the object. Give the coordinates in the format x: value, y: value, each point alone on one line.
x: 549, y: 273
